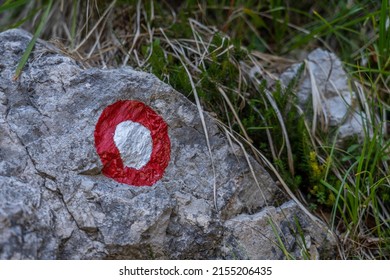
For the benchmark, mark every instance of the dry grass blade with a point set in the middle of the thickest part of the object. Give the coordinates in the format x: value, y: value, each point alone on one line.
x: 284, y: 131
x: 95, y: 26
x: 318, y: 110
x: 362, y: 97
x: 239, y: 139
x: 274, y: 63
x: 136, y: 35
x: 202, y: 118
x: 231, y: 107
x: 230, y: 135
x: 256, y: 82
x: 271, y: 101
x: 197, y: 39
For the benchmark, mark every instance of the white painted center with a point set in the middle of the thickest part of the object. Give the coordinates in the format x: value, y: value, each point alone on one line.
x: 134, y: 143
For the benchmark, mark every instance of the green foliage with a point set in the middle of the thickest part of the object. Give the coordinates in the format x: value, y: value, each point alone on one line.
x: 11, y: 10
x: 12, y: 5
x: 31, y: 44
x: 383, y: 42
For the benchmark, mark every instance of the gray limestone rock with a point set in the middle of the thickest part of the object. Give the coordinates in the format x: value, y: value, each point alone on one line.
x: 324, y: 90
x: 55, y: 203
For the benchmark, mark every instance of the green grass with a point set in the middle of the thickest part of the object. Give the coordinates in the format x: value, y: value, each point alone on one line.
x: 37, y: 33
x: 208, y: 52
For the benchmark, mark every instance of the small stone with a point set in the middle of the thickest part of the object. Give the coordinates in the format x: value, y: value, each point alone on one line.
x: 324, y: 71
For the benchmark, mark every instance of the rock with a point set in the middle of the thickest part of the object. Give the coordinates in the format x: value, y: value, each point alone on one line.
x: 55, y: 202
x: 324, y: 91
x: 283, y: 227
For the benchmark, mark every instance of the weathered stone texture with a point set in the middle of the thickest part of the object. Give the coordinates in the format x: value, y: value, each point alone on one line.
x: 56, y: 204
x: 325, y: 82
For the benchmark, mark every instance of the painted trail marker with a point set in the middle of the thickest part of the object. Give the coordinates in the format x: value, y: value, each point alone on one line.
x: 133, y: 143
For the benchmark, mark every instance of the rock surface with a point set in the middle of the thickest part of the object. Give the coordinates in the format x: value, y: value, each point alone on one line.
x: 56, y: 204
x: 324, y: 90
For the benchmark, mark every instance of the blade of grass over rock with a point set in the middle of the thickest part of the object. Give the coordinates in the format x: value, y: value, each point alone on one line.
x: 239, y: 139
x: 230, y: 135
x: 279, y: 240
x: 31, y: 44
x: 201, y: 115
x: 242, y: 128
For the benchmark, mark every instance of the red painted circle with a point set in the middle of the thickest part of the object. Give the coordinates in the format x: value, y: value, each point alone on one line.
x: 113, y: 167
